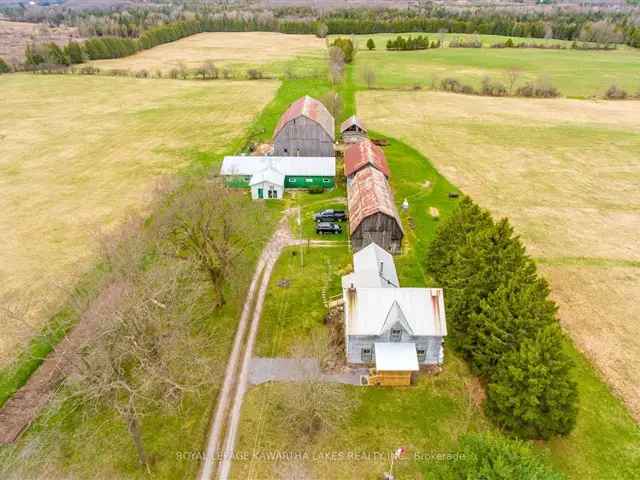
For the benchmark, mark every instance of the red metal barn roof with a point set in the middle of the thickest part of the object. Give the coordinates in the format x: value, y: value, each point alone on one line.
x: 369, y: 193
x: 313, y: 110
x: 359, y: 155
x: 352, y: 120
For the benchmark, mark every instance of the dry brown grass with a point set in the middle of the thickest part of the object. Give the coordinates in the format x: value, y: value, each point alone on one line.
x: 14, y: 37
x: 566, y: 172
x: 76, y: 153
x: 224, y: 48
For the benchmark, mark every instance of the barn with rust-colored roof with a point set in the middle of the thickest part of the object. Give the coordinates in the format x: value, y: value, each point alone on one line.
x: 353, y: 130
x: 363, y: 154
x: 373, y: 216
x: 306, y: 129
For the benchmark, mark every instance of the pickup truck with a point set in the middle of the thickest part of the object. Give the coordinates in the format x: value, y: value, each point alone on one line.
x: 330, y: 216
x: 328, y: 227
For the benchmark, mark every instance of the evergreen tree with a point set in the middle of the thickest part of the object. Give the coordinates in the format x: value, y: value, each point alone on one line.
x: 346, y: 45
x: 34, y: 55
x: 73, y: 51
x: 531, y: 393
x: 371, y: 45
x: 494, y: 457
x: 485, y: 261
x: 4, y: 67
x: 514, y: 312
x: 451, y: 235
x: 55, y: 55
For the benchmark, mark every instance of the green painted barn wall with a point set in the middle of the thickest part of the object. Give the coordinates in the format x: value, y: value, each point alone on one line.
x: 237, y: 182
x: 308, y: 182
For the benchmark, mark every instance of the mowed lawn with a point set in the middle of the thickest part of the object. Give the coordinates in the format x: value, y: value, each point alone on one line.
x: 76, y: 154
x: 237, y: 51
x: 575, y: 73
x: 566, y: 173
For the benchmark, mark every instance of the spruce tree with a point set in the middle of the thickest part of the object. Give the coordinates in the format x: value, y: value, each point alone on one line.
x: 514, y: 312
x: 371, y: 45
x: 451, y: 235
x: 531, y: 393
x: 486, y: 260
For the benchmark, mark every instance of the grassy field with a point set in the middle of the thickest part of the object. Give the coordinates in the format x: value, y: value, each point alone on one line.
x: 427, y: 419
x: 566, y: 173
x: 77, y: 154
x: 271, y: 52
x: 574, y: 73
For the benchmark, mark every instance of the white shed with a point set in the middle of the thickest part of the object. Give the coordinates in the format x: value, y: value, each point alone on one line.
x: 267, y: 183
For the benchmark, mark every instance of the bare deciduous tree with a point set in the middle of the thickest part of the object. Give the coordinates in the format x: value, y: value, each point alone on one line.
x: 333, y: 102
x: 513, y: 75
x: 336, y: 65
x: 314, y: 405
x: 369, y: 76
x: 214, y: 226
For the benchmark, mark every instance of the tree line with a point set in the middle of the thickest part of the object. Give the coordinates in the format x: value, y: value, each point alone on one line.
x: 411, y: 43
x: 503, y: 322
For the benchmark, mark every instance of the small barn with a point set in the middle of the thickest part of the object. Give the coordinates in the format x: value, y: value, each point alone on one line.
x: 306, y: 129
x: 353, y: 130
x: 412, y: 318
x: 268, y: 177
x: 373, y: 216
x: 364, y: 154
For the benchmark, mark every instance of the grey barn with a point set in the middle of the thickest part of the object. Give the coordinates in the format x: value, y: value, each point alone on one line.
x: 306, y: 129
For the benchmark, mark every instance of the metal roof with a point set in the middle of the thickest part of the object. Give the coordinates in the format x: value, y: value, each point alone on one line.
x: 351, y: 121
x: 268, y: 175
x: 359, y: 155
x: 369, y: 193
x: 249, y: 165
x: 312, y: 109
x: 372, y: 311
x: 373, y: 266
x: 396, y: 357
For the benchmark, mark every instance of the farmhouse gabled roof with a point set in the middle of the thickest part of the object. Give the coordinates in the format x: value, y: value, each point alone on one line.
x: 269, y: 174
x: 359, y: 155
x: 372, y: 311
x: 350, y: 122
x: 250, y: 165
x: 312, y: 109
x: 373, y: 266
x: 369, y: 193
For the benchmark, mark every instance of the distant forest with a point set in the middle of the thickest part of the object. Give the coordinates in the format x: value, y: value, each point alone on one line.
x: 120, y: 33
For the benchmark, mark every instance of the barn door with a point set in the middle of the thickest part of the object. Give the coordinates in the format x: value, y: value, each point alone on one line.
x: 260, y: 193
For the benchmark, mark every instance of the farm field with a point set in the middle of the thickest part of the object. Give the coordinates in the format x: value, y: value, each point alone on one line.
x: 77, y: 154
x: 14, y: 37
x: 234, y: 50
x: 427, y: 418
x: 575, y: 73
x: 566, y: 173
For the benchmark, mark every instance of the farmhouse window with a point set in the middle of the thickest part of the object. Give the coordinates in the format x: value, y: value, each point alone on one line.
x: 308, y: 180
x: 396, y: 334
x: 422, y: 354
x: 366, y: 354
x: 292, y: 180
x: 325, y: 180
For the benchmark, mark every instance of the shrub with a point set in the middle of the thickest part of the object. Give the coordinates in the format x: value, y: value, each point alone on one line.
x: 89, y: 70
x: 493, y: 88
x: 371, y: 45
x: 254, y: 74
x: 400, y: 43
x: 540, y: 89
x: 346, y: 45
x: 531, y: 393
x: 142, y: 73
x: 4, y: 67
x: 492, y: 457
x: 615, y: 93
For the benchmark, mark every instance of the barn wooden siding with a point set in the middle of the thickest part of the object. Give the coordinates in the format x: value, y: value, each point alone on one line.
x: 378, y: 228
x: 303, y: 137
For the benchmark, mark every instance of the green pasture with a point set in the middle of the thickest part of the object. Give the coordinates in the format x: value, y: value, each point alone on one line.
x: 575, y: 73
